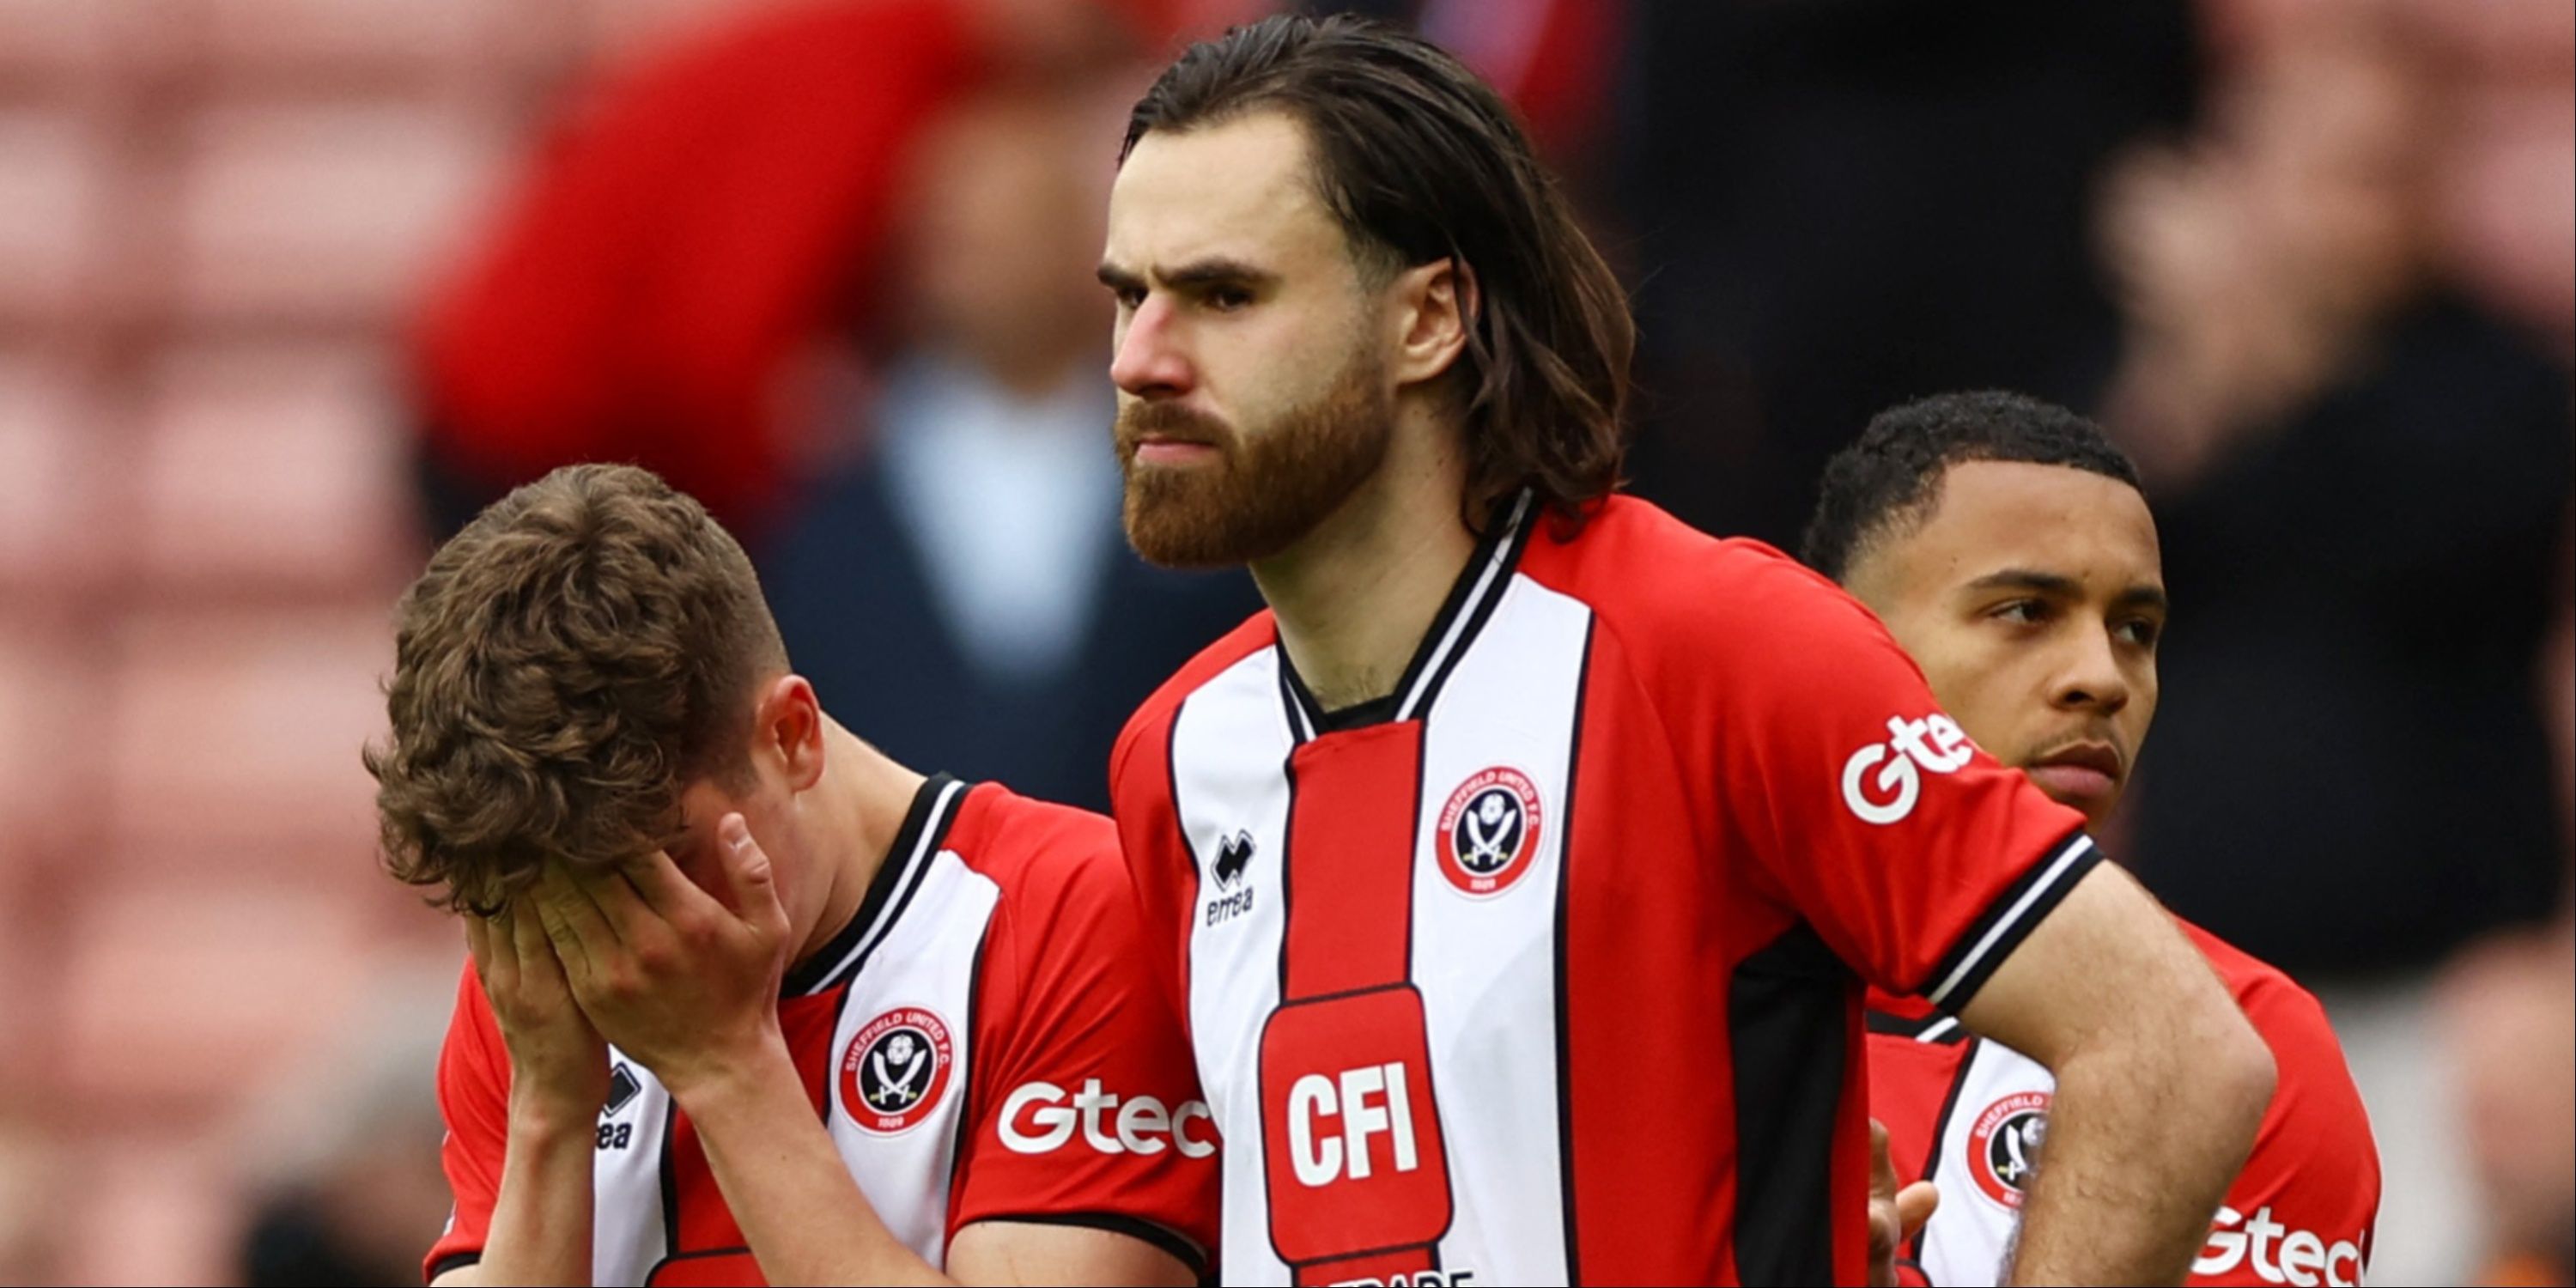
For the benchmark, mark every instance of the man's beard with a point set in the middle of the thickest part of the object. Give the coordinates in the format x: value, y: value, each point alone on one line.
x: 1267, y: 489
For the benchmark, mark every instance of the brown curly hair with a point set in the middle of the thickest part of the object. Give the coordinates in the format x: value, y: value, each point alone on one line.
x: 571, y: 660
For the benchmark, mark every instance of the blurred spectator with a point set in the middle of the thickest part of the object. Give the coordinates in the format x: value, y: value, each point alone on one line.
x: 2361, y: 481
x: 1836, y: 205
x: 685, y: 227
x: 961, y: 590
x: 693, y: 220
x: 344, y: 1156
x: 2361, y: 477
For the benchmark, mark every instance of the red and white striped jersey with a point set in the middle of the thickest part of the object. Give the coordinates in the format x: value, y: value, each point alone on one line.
x: 982, y: 1042
x: 1971, y: 1115
x: 1547, y: 969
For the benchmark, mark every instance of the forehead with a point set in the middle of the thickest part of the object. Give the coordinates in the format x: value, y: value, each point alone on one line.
x: 1993, y: 515
x: 1238, y: 190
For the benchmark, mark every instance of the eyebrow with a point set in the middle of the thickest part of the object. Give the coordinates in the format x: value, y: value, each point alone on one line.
x: 2050, y: 583
x: 1204, y: 272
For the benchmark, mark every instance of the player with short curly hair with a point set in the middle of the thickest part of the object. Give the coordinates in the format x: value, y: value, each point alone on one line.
x: 747, y: 997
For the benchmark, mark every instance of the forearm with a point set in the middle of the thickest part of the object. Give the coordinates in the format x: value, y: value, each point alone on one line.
x: 541, y: 1219
x: 798, y: 1206
x: 2142, y: 1144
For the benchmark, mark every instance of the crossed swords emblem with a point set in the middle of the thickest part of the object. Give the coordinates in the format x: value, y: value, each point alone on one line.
x: 895, y: 1090
x: 1488, y: 830
x: 2021, y: 1149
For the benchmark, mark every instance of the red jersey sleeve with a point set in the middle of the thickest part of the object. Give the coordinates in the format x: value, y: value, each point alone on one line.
x: 474, y: 1102
x: 1918, y: 858
x: 1089, y: 1111
x: 2306, y: 1206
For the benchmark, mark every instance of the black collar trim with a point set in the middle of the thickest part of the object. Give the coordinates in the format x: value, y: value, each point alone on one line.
x: 1471, y: 603
x: 934, y: 810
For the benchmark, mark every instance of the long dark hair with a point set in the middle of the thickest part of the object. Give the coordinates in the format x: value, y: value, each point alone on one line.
x: 1419, y: 161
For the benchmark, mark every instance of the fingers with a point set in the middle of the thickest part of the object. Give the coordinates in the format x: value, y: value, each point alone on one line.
x: 660, y: 885
x: 535, y: 957
x: 582, y: 938
x: 1882, y: 1172
x: 494, y: 962
x: 1914, y: 1206
x: 638, y: 927
x: 748, y: 874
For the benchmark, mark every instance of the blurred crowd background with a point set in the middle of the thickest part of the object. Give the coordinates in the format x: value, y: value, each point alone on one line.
x: 289, y: 288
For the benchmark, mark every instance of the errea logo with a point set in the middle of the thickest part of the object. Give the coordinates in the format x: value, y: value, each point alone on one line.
x: 1935, y: 743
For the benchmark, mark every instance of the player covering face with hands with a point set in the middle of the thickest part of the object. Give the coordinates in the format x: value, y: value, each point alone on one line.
x: 747, y: 998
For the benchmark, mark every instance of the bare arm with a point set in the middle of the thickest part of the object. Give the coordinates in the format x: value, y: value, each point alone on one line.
x: 2161, y: 1083
x: 541, y: 1217
x: 689, y: 986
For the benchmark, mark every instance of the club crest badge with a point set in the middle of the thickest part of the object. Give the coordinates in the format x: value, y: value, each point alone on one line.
x: 1488, y: 832
x: 2003, y: 1145
x: 895, y: 1070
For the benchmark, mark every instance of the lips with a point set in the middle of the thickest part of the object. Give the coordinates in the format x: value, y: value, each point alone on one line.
x: 2085, y: 775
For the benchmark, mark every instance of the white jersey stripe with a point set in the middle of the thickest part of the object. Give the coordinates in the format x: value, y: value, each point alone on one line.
x: 2011, y: 920
x: 1495, y: 566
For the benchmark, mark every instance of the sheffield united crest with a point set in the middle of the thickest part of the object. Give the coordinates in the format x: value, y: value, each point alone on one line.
x: 1488, y: 831
x: 895, y: 1070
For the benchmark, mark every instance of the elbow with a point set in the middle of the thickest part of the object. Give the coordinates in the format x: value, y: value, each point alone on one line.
x: 2237, y: 1073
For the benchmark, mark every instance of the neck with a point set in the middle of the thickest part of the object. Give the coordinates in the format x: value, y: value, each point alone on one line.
x: 1354, y: 597
x: 857, y: 810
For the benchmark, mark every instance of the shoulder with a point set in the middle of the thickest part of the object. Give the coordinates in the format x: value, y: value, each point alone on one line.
x: 1677, y: 598
x: 1051, y: 862
x: 1155, y: 714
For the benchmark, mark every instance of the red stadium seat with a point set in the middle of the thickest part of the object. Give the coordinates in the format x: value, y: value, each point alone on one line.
x: 272, y: 468
x: 56, y: 465
x: 323, y: 214
x: 53, y: 189
x: 332, y: 41
x: 183, y: 991
x: 242, y: 730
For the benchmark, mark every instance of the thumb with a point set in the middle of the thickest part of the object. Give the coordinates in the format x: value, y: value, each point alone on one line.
x: 747, y: 871
x: 1915, y: 1205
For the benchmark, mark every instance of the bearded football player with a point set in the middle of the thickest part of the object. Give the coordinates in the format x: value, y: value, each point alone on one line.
x: 747, y: 998
x: 1517, y: 871
x: 2005, y: 543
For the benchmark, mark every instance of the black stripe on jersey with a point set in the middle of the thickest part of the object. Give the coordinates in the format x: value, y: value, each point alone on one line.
x: 1941, y: 1127
x: 1471, y: 602
x: 1785, y: 1012
x: 1187, y: 1253
x: 1998, y: 930
x: 934, y: 810
x: 1305, y: 715
x: 670, y: 1182
x: 1515, y: 533
x: 1564, y: 891
x: 452, y: 1261
x: 1935, y: 1027
x: 1287, y: 870
x: 976, y: 1057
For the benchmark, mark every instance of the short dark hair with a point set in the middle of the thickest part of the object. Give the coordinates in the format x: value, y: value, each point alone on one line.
x: 1893, y: 474
x: 568, y: 662
x: 1419, y: 160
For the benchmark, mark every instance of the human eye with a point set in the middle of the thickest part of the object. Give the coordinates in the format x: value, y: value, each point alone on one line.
x: 1228, y: 299
x: 2140, y: 631
x: 2020, y: 612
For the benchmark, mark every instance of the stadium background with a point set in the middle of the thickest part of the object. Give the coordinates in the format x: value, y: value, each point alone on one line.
x: 288, y: 286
